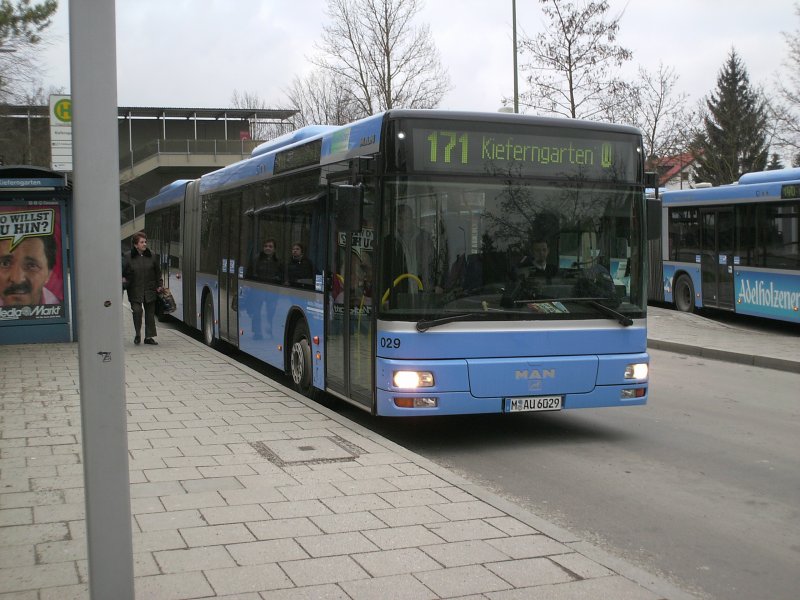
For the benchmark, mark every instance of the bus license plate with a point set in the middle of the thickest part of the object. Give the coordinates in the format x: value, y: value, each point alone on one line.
x: 534, y: 403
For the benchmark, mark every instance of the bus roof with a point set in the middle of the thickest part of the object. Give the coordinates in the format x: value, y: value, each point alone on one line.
x: 765, y: 176
x: 763, y: 186
x: 168, y: 195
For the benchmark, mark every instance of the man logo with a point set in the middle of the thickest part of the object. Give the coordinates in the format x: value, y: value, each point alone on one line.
x: 535, y: 374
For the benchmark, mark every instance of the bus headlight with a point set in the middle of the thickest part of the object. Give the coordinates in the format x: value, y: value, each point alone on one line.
x: 412, y: 379
x: 636, y: 371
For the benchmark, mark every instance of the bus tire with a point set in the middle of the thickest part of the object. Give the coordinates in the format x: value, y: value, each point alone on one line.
x: 300, y: 367
x: 684, y: 294
x: 209, y: 338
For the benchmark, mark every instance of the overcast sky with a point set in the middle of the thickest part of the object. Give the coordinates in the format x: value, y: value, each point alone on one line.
x: 195, y: 53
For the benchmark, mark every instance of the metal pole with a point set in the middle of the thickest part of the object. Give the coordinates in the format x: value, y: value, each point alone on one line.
x: 514, y: 41
x: 99, y: 307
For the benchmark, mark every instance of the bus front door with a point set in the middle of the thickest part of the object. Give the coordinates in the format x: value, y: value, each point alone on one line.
x: 228, y: 279
x: 349, y: 344
x: 717, y: 257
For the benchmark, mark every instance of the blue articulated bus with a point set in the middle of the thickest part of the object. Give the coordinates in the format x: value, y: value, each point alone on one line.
x: 732, y: 247
x: 391, y: 262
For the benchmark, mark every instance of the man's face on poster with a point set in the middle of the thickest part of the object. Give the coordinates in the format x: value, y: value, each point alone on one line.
x: 24, y: 271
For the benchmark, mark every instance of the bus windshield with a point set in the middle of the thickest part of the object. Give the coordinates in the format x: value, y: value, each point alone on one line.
x: 511, y: 251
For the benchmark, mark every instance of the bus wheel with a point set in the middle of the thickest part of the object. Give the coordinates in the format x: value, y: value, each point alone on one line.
x: 209, y: 339
x: 300, y: 361
x: 684, y: 294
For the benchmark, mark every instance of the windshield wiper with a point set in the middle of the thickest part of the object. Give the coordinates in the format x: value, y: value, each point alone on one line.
x: 624, y: 320
x: 426, y: 324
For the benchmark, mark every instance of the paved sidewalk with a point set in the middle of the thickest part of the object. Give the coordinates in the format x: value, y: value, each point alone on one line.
x: 242, y: 489
x: 761, y: 345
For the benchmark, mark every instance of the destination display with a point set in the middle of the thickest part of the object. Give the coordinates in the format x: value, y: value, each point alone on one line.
x: 444, y: 150
x: 790, y: 191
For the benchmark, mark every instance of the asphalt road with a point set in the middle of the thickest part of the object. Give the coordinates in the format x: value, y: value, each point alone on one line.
x: 701, y: 486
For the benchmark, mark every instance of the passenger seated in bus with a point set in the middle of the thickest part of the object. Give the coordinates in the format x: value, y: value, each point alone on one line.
x: 301, y: 271
x: 267, y: 267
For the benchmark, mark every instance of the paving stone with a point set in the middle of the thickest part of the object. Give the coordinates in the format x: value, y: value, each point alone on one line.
x: 267, y: 551
x: 172, y: 586
x: 302, y: 508
x: 423, y: 497
x: 151, y: 541
x: 417, y: 515
x: 336, y: 544
x: 251, y: 496
x: 616, y: 587
x: 315, y: 571
x: 580, y: 565
x: 365, y: 486
x: 529, y: 546
x: 458, y: 554
x: 397, y: 587
x: 283, y: 528
x: 193, y: 559
x: 308, y: 492
x: 33, y: 534
x: 313, y: 592
x: 172, y: 520
x: 212, y: 535
x: 239, y: 580
x: 234, y: 514
x: 16, y: 556
x: 402, y: 537
x: 22, y: 578
x: 461, y: 581
x: 345, y: 504
x: 463, y: 511
x: 359, y: 521
x: 16, y: 516
x: 216, y: 483
x: 511, y: 526
x: 457, y: 531
x: 55, y: 552
x: 530, y: 572
x: 395, y: 562
x: 58, y: 512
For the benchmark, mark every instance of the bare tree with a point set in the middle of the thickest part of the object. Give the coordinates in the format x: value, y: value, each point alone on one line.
x: 373, y: 50
x: 573, y: 61
x: 785, y: 111
x: 261, y: 128
x: 20, y: 26
x: 322, y: 100
x: 653, y: 104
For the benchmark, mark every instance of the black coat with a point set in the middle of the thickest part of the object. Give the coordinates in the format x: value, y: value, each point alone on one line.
x: 143, y: 273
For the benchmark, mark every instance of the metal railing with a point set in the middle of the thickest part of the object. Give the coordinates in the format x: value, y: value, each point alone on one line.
x: 242, y: 148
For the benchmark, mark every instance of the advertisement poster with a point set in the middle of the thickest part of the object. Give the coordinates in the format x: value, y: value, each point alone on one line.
x: 31, y: 263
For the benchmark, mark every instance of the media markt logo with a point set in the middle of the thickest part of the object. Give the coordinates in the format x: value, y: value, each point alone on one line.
x: 63, y: 110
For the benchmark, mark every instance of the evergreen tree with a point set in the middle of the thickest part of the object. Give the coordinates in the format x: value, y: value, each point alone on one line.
x: 733, y: 139
x: 774, y: 163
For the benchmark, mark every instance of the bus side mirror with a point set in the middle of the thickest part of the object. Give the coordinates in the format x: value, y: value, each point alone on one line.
x: 653, y: 218
x: 346, y: 207
x: 651, y: 182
